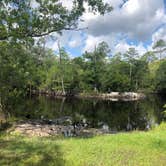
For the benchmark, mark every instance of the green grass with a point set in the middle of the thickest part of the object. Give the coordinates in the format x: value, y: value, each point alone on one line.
x: 135, y: 149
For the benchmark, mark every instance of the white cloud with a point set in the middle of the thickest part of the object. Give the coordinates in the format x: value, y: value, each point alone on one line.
x: 34, y: 4
x: 67, y: 3
x: 131, y: 6
x: 92, y: 41
x: 160, y: 34
x: 116, y: 45
x: 133, y: 19
x: 76, y: 39
x: 122, y: 47
x: 70, y: 39
x: 137, y: 19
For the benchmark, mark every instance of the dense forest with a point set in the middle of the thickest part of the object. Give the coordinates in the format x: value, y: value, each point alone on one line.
x: 27, y: 65
x: 33, y: 67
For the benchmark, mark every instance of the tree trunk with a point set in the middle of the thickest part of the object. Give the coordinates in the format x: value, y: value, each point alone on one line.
x: 130, y: 74
x: 136, y: 84
x: 61, y: 67
x: 1, y: 107
x: 160, y: 53
x: 62, y: 83
x: 30, y: 90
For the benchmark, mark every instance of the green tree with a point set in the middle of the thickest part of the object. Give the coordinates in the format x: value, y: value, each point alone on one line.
x: 116, y: 77
x: 130, y: 57
x: 77, y: 82
x: 141, y: 73
x: 149, y: 57
x: 160, y: 47
x: 95, y: 65
x: 16, y: 72
x: 161, y: 77
x: 20, y: 22
x: 20, y: 19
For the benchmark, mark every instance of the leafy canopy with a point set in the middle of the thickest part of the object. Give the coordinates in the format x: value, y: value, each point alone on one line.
x: 21, y: 19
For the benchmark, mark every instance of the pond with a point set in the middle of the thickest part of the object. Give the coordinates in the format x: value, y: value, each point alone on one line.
x: 112, y: 115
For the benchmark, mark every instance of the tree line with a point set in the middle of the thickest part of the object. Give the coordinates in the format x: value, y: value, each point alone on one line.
x: 36, y: 67
x: 26, y: 65
x: 23, y: 64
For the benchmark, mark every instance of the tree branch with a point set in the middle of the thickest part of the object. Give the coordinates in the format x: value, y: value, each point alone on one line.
x: 33, y: 34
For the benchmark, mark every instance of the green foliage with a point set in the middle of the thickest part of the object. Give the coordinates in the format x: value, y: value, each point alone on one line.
x: 24, y: 65
x: 27, y: 65
x: 149, y: 57
x: 159, y: 44
x: 164, y: 106
x: 161, y: 77
x: 140, y: 74
x: 95, y: 65
x: 35, y: 67
x: 15, y: 70
x: 22, y: 70
x: 116, y: 77
x: 20, y: 19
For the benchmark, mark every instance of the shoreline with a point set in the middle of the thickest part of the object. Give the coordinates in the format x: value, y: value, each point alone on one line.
x: 115, y: 96
x: 112, y: 96
x: 42, y: 129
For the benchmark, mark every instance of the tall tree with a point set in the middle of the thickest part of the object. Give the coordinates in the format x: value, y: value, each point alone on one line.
x: 130, y: 56
x: 149, y: 57
x: 140, y: 70
x: 160, y: 47
x: 61, y: 53
x: 116, y: 77
x: 161, y: 77
x: 96, y: 61
x: 21, y: 19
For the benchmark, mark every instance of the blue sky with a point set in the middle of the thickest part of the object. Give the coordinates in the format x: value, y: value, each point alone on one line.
x: 132, y: 23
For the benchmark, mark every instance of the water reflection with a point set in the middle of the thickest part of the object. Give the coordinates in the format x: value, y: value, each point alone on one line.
x: 108, y: 115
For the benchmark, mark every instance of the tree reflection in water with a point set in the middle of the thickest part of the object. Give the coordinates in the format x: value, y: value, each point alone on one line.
x: 108, y: 115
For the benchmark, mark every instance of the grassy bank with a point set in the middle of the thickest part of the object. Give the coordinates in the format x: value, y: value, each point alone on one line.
x: 135, y: 149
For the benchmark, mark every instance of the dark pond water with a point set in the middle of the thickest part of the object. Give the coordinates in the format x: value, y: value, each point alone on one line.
x: 115, y: 115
